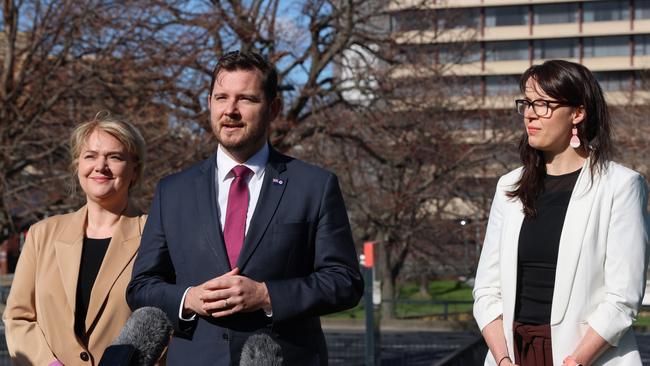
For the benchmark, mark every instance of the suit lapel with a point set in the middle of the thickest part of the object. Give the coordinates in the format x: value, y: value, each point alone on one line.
x: 573, y: 232
x: 272, y: 190
x: 68, y: 246
x: 206, y: 203
x: 121, y: 250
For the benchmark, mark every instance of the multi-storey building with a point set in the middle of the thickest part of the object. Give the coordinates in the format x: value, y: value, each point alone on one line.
x: 504, y: 37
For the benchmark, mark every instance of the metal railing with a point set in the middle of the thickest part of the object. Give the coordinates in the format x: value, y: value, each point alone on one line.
x: 448, y: 308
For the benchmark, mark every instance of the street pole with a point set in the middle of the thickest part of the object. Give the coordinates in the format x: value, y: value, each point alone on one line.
x: 463, y: 223
x: 477, y: 243
x: 371, y: 334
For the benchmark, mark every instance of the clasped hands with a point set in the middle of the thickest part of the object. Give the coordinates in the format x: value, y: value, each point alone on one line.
x: 225, y: 295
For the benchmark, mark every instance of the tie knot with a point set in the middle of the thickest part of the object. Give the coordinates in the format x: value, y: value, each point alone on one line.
x: 241, y: 171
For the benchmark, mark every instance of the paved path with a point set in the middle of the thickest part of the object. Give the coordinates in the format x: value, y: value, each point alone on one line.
x: 398, y: 348
x: 415, y: 348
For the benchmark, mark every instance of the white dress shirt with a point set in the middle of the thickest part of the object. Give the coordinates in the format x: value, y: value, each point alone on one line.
x: 224, y: 177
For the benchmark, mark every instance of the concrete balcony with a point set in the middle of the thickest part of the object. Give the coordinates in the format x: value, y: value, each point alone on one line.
x: 610, y: 63
x: 559, y: 30
x: 431, y: 36
x: 641, y: 62
x: 505, y: 33
x: 506, y: 67
x: 608, y: 28
x: 441, y: 4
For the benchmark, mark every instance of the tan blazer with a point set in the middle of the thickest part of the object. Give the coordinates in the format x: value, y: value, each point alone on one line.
x: 601, y: 267
x: 39, y: 317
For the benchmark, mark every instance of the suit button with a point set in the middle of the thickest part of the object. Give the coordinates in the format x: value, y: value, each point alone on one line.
x: 84, y: 356
x: 225, y: 336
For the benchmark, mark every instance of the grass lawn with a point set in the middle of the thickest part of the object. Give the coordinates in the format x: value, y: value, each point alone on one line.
x: 643, y: 319
x: 412, y: 304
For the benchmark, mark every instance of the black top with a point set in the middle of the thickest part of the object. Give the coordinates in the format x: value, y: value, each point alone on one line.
x: 539, y: 242
x: 92, y: 255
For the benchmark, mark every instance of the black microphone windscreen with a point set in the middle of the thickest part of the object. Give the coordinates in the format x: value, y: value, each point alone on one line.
x: 148, y: 330
x: 261, y: 350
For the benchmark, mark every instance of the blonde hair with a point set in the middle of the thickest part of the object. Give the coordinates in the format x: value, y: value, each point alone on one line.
x: 126, y: 133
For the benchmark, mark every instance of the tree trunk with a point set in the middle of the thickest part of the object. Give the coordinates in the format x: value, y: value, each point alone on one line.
x: 387, y: 283
x: 424, y: 287
x: 388, y: 298
x: 6, y: 222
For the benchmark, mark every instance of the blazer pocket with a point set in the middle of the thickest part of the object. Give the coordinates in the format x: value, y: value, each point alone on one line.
x: 294, y: 227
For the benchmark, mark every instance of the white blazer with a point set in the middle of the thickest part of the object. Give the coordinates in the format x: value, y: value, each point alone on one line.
x: 601, y: 266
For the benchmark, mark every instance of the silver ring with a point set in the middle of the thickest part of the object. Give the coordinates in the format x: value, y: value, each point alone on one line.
x: 226, y: 303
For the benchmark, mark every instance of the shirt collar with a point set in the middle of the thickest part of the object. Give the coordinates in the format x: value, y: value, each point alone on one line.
x: 256, y: 163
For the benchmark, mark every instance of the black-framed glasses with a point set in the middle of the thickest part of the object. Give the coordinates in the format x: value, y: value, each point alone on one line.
x: 541, y: 107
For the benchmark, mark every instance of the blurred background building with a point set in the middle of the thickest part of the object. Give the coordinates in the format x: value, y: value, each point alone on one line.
x: 504, y: 37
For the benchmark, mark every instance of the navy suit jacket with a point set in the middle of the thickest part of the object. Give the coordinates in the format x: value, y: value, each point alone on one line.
x: 299, y: 242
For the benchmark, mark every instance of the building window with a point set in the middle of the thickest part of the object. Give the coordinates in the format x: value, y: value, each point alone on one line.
x: 641, y: 80
x: 555, y: 48
x: 642, y: 44
x: 506, y: 15
x: 615, y: 80
x: 606, y: 10
x: 466, y: 86
x: 508, y: 50
x: 458, y: 18
x: 459, y: 53
x: 555, y: 13
x: 607, y: 46
x: 410, y: 20
x: 439, y: 53
x: 417, y: 54
x: 642, y: 9
x: 469, y: 122
x: 502, y: 85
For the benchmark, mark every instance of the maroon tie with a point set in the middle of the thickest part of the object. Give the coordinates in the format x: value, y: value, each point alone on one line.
x: 235, y: 225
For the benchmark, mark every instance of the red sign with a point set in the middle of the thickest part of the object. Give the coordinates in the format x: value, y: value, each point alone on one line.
x: 369, y: 253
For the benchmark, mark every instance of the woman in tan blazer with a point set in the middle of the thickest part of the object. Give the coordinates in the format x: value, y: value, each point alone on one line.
x: 67, y: 301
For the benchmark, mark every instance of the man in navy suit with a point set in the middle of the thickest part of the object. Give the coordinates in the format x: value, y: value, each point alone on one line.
x: 248, y: 241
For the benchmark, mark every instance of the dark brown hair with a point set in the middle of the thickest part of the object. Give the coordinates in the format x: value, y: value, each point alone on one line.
x: 242, y: 60
x: 573, y: 85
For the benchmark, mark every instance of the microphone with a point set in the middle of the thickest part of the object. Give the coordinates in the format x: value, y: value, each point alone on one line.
x: 261, y: 350
x: 142, y: 340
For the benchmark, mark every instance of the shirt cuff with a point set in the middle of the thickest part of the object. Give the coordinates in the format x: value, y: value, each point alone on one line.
x: 180, y: 310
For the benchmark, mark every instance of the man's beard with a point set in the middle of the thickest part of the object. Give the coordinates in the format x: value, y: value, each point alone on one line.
x: 248, y: 141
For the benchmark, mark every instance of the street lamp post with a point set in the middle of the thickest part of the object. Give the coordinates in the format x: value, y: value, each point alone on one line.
x: 372, y: 300
x: 464, y: 222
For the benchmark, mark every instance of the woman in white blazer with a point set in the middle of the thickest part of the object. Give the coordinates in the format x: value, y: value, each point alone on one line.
x: 562, y: 270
